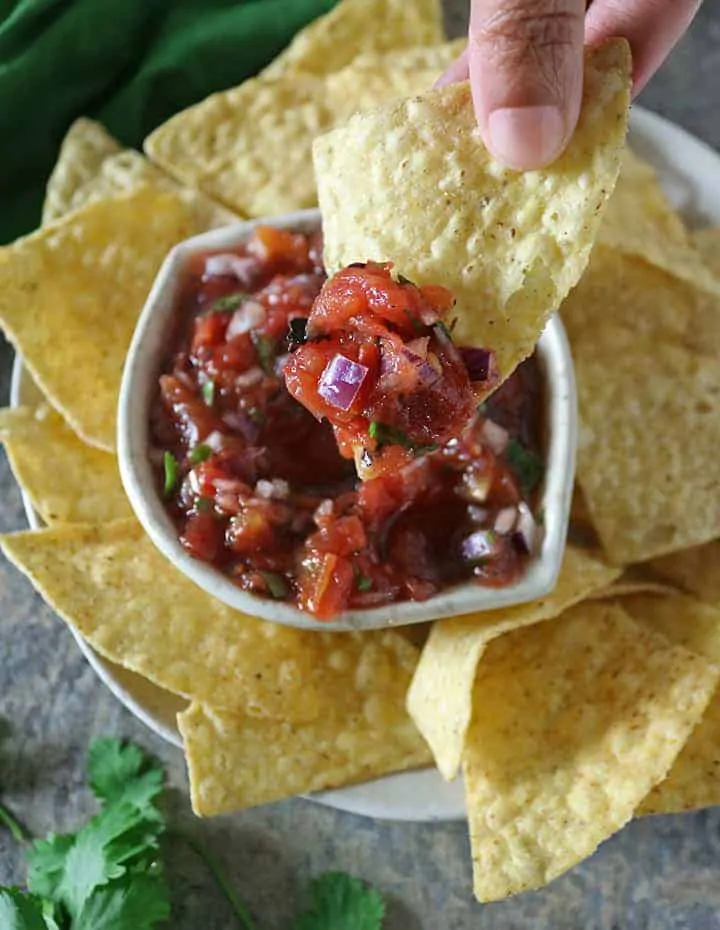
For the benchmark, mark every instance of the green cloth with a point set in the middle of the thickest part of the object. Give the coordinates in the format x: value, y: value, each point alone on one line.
x: 128, y: 63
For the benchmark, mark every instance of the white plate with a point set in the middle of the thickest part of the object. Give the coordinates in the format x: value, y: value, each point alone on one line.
x: 690, y: 173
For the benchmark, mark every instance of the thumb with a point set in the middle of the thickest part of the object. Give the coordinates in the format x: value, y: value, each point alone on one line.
x: 526, y: 72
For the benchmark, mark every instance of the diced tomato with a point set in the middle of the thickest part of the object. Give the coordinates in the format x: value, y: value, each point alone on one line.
x: 210, y: 329
x: 250, y: 531
x: 203, y: 536
x: 325, y: 585
x: 343, y: 536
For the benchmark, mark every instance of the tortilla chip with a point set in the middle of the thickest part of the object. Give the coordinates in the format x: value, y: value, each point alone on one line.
x: 621, y: 297
x: 413, y: 184
x: 573, y: 724
x: 92, y: 166
x: 355, y: 27
x: 66, y: 480
x: 694, y: 779
x: 648, y: 444
x: 440, y: 696
x: 250, y: 147
x: 362, y: 732
x: 707, y: 243
x: 697, y: 570
x: 88, y: 277
x: 640, y: 221
x: 112, y: 585
x: 84, y: 149
x: 625, y: 587
x: 371, y: 80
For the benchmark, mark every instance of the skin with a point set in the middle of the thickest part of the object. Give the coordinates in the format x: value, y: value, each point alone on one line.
x: 525, y: 58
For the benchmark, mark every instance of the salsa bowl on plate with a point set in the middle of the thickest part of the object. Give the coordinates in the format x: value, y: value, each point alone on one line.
x: 150, y: 476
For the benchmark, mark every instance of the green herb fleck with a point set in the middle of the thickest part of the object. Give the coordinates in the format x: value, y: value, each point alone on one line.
x: 527, y: 466
x: 277, y: 585
x: 414, y: 322
x: 199, y: 453
x: 341, y: 902
x: 203, y: 504
x: 170, y: 465
x: 362, y: 582
x: 482, y: 408
x: 208, y: 393
x: 265, y: 350
x: 257, y: 415
x: 229, y: 302
x: 403, y: 280
x: 444, y: 329
x: 388, y: 435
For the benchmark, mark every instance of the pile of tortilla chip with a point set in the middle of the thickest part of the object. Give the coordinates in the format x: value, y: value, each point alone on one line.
x: 568, y: 715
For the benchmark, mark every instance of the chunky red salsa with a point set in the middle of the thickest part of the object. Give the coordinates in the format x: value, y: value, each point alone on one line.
x: 379, y: 364
x: 256, y: 484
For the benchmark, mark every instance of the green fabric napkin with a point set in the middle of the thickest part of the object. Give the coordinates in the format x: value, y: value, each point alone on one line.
x: 129, y: 63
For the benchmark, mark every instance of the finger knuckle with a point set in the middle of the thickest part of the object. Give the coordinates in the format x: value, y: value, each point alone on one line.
x: 520, y: 28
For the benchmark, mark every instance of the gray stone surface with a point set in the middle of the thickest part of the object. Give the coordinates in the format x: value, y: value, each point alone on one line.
x: 656, y: 874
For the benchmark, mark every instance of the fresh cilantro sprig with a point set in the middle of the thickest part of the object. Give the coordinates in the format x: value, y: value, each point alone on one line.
x: 341, y: 902
x: 109, y: 874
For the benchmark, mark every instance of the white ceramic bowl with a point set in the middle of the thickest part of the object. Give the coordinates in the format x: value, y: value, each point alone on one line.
x: 140, y: 383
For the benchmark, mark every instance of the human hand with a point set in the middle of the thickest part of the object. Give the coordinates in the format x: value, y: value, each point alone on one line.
x: 525, y: 63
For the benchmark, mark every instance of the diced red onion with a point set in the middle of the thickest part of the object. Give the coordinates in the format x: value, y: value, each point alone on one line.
x: 525, y: 536
x: 276, y: 489
x: 228, y: 265
x: 324, y: 509
x: 248, y: 316
x: 496, y: 436
x: 228, y: 503
x: 479, y: 363
x: 241, y: 423
x: 341, y: 381
x: 505, y: 520
x: 184, y: 378
x: 229, y: 485
x: 482, y: 544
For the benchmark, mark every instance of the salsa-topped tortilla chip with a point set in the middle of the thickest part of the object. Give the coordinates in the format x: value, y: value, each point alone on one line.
x: 80, y: 284
x: 412, y: 183
x: 574, y: 722
x: 440, y: 696
x: 67, y: 480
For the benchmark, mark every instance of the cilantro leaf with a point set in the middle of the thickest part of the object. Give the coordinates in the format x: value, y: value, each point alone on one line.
x: 170, y: 466
x: 229, y: 302
x: 277, y: 585
x: 526, y: 464
x: 121, y: 771
x: 341, y: 902
x: 21, y: 911
x: 115, y: 852
x: 199, y: 453
x: 208, y: 393
x: 134, y: 902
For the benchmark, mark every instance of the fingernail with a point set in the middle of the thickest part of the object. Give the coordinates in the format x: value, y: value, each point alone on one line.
x: 526, y: 137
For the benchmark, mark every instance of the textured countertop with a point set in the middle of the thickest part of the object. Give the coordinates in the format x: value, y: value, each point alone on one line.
x: 657, y: 873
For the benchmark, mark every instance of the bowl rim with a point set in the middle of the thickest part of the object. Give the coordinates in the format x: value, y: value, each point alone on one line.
x: 137, y: 387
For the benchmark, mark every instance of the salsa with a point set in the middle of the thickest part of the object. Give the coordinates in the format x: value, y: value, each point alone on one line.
x: 378, y: 362
x: 256, y: 485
